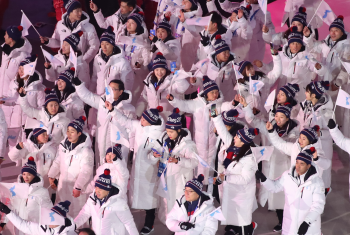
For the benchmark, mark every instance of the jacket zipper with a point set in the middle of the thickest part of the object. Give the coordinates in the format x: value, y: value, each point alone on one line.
x: 332, y: 57
x: 71, y: 158
x: 53, y: 125
x: 223, y: 77
x: 44, y: 159
x: 294, y: 67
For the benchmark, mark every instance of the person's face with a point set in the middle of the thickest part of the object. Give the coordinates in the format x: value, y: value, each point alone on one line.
x: 186, y: 5
x: 281, y: 119
x: 65, y: 48
x: 162, y: 34
x: 83, y: 233
x: 303, y: 141
x: 213, y: 27
x: 190, y: 194
x: 131, y: 26
x: 61, y: 84
x: 27, y: 177
x: 295, y: 47
x: 335, y: 33
x: 43, y: 138
x: 233, y: 16
x: 281, y: 97
x: 144, y: 122
x: 159, y: 72
x: 250, y: 71
x: 107, y: 48
x: 75, y: 15
x: 100, y: 193
x: 124, y: 8
x: 20, y: 71
x: 301, y: 167
x: 116, y: 91
x: 72, y: 134
x: 52, y: 107
x: 53, y: 226
x: 299, y: 25
x: 212, y: 95
x: 237, y: 141
x: 223, y: 56
x: 109, y: 157
x: 173, y: 134
x: 8, y: 40
x: 309, y: 96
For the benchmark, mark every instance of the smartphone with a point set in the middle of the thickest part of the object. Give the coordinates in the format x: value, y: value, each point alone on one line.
x: 155, y: 151
x: 153, y: 32
x: 173, y: 66
x: 212, y: 110
x: 271, y: 48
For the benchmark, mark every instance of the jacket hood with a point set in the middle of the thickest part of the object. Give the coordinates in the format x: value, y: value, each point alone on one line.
x: 85, y: 142
x: 26, y: 48
x: 39, y: 182
x: 311, y: 173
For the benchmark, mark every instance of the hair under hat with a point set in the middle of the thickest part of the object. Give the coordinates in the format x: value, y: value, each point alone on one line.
x: 247, y: 134
x: 295, y: 36
x: 306, y: 155
x: 229, y: 117
x: 38, y: 131
x: 165, y: 25
x: 290, y: 89
x: 14, y: 32
x: 50, y: 96
x: 29, y: 59
x: 78, y: 124
x: 117, y: 150
x: 159, y: 62
x: 174, y: 120
x: 286, y: 109
x: 220, y: 45
x: 74, y: 39
x: 67, y: 76
x: 338, y: 23
x: 62, y: 208
x: 152, y: 115
x: 208, y: 85
x: 246, y: 10
x: 300, y: 16
x: 104, y: 181
x: 196, y: 184
x: 311, y: 133
x: 30, y: 167
x: 71, y: 5
x: 318, y: 88
x: 242, y: 65
x: 108, y: 36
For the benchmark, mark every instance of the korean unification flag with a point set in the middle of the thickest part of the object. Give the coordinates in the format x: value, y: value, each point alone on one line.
x: 33, y: 123
x: 202, y: 162
x: 263, y: 5
x: 12, y: 135
x: 26, y: 24
x: 109, y: 93
x: 262, y: 153
x: 255, y: 86
x: 162, y: 190
x: 343, y: 99
x: 117, y: 136
x: 200, y: 21
x: 346, y: 66
x: 325, y: 13
x: 270, y: 100
x: 10, y: 190
x: 49, y: 217
x: 217, y: 214
x: 238, y: 74
x: 73, y: 58
x: 29, y: 69
x: 51, y: 58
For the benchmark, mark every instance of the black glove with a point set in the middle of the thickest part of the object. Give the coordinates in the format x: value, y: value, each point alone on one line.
x: 67, y: 222
x: 186, y: 225
x: 260, y: 176
x: 218, y: 181
x: 303, y: 228
x: 205, y: 40
x: 4, y: 208
x: 331, y: 124
x: 227, y: 162
x: 155, y: 39
x: 76, y: 81
x: 171, y: 97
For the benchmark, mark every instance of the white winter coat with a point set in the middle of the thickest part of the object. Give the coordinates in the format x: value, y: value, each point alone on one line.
x: 117, y: 67
x: 74, y: 170
x: 151, y: 98
x: 340, y: 139
x: 171, y: 50
x: 10, y: 64
x: 3, y: 134
x: 112, y: 217
x: 178, y: 174
x: 204, y: 224
x: 105, y: 120
x: 74, y: 106
x: 43, y: 157
x: 55, y: 126
x: 143, y: 179
x: 89, y: 42
x: 304, y: 202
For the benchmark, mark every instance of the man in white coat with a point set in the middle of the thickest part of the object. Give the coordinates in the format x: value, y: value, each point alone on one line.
x: 109, y: 211
x: 304, y: 195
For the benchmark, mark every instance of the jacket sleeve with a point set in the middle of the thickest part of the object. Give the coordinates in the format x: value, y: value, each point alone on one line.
x: 40, y: 98
x: 211, y: 226
x: 169, y: 51
x: 91, y: 186
x: 172, y: 221
x: 276, y: 185
x: 55, y: 167
x: 127, y: 76
x: 276, y: 72
x: 124, y: 173
x: 124, y: 121
x: 253, y: 120
x: 18, y: 154
x: 54, y: 41
x: 51, y: 73
x: 242, y: 28
x: 93, y: 44
x: 188, y: 159
x: 228, y: 6
x: 340, y: 139
x: 142, y: 102
x: 318, y: 202
x: 276, y: 39
x: 86, y: 169
x: 188, y: 106
x: 26, y: 226
x: 3, y: 138
x: 87, y: 96
x: 247, y: 174
x: 127, y: 219
x: 279, y: 143
x: 78, y: 109
x: 102, y: 21
x: 323, y: 162
x: 93, y: 81
x: 222, y: 131
x: 83, y: 215
x: 180, y: 86
x: 27, y: 109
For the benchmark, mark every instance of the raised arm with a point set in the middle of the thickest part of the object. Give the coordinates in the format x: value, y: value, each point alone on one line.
x: 27, y: 109
x: 86, y: 169
x: 87, y: 96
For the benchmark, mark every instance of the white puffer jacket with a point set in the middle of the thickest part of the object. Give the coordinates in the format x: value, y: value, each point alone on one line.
x: 303, y: 202
x: 177, y: 174
x: 117, y: 67
x: 204, y: 223
x: 74, y: 170
x: 340, y: 139
x: 10, y: 64
x: 74, y: 106
x: 171, y: 50
x: 3, y: 134
x: 55, y: 126
x: 143, y: 179
x: 89, y: 42
x: 151, y: 98
x: 103, y: 121
x: 112, y: 217
x: 43, y: 156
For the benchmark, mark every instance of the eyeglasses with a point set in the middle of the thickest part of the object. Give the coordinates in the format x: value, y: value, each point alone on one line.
x: 113, y: 89
x: 188, y: 191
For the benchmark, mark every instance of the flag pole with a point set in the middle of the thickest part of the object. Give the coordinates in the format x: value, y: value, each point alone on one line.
x: 43, y: 53
x: 239, y: 91
x: 335, y: 103
x: 250, y: 80
x: 31, y: 24
x: 315, y: 13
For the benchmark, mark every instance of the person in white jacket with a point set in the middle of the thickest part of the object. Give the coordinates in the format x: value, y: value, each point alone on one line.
x: 28, y: 206
x: 158, y: 84
x: 3, y: 136
x: 39, y: 146
x: 33, y: 228
x: 177, y: 160
x: 190, y: 214
x: 15, y: 49
x: 68, y: 96
x: 110, y: 64
x: 32, y: 84
x: 109, y: 212
x: 118, y: 171
x: 121, y: 100
x: 238, y: 199
x: 142, y: 192
x: 304, y: 195
x: 72, y: 21
x: 73, y: 166
x: 51, y: 115
x: 52, y: 71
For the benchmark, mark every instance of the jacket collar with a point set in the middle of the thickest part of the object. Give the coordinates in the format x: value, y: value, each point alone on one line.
x: 81, y: 23
x: 27, y: 47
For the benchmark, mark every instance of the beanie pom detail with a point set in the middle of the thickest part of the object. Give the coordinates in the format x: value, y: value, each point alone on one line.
x: 176, y: 110
x: 256, y: 131
x: 217, y: 37
x: 160, y: 53
x: 107, y: 172
x: 340, y: 17
x: 31, y: 159
x: 73, y: 69
x: 80, y: 33
x: 167, y: 18
x: 312, y: 149
x: 83, y: 118
x: 160, y: 109
x: 141, y: 13
x: 302, y: 9
x: 47, y: 90
x: 201, y: 178
x: 20, y: 28
x: 248, y: 7
x: 316, y: 128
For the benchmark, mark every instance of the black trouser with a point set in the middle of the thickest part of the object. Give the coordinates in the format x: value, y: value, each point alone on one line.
x: 279, y: 213
x: 150, y: 217
x: 248, y: 229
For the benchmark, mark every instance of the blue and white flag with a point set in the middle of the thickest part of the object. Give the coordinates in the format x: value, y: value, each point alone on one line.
x: 49, y: 217
x: 12, y: 135
x: 51, y: 58
x: 217, y: 214
x: 162, y: 190
x: 270, y: 101
x: 343, y: 99
x: 201, y: 161
x: 325, y: 13
x: 255, y: 86
x: 33, y: 123
x: 238, y: 74
x: 26, y: 24
x: 10, y: 190
x: 118, y: 137
x: 109, y: 93
x: 29, y: 69
x: 262, y: 153
x: 263, y: 5
x: 200, y: 21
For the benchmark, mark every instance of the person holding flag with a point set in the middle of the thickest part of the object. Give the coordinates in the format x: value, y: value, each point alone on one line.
x: 192, y: 213
x: 53, y: 70
x: 38, y: 228
x: 177, y: 161
x: 108, y: 210
x: 238, y: 197
x: 73, y: 21
x: 28, y: 206
x: 30, y: 83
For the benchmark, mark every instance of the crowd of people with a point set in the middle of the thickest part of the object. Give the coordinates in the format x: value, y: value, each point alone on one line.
x: 168, y: 120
